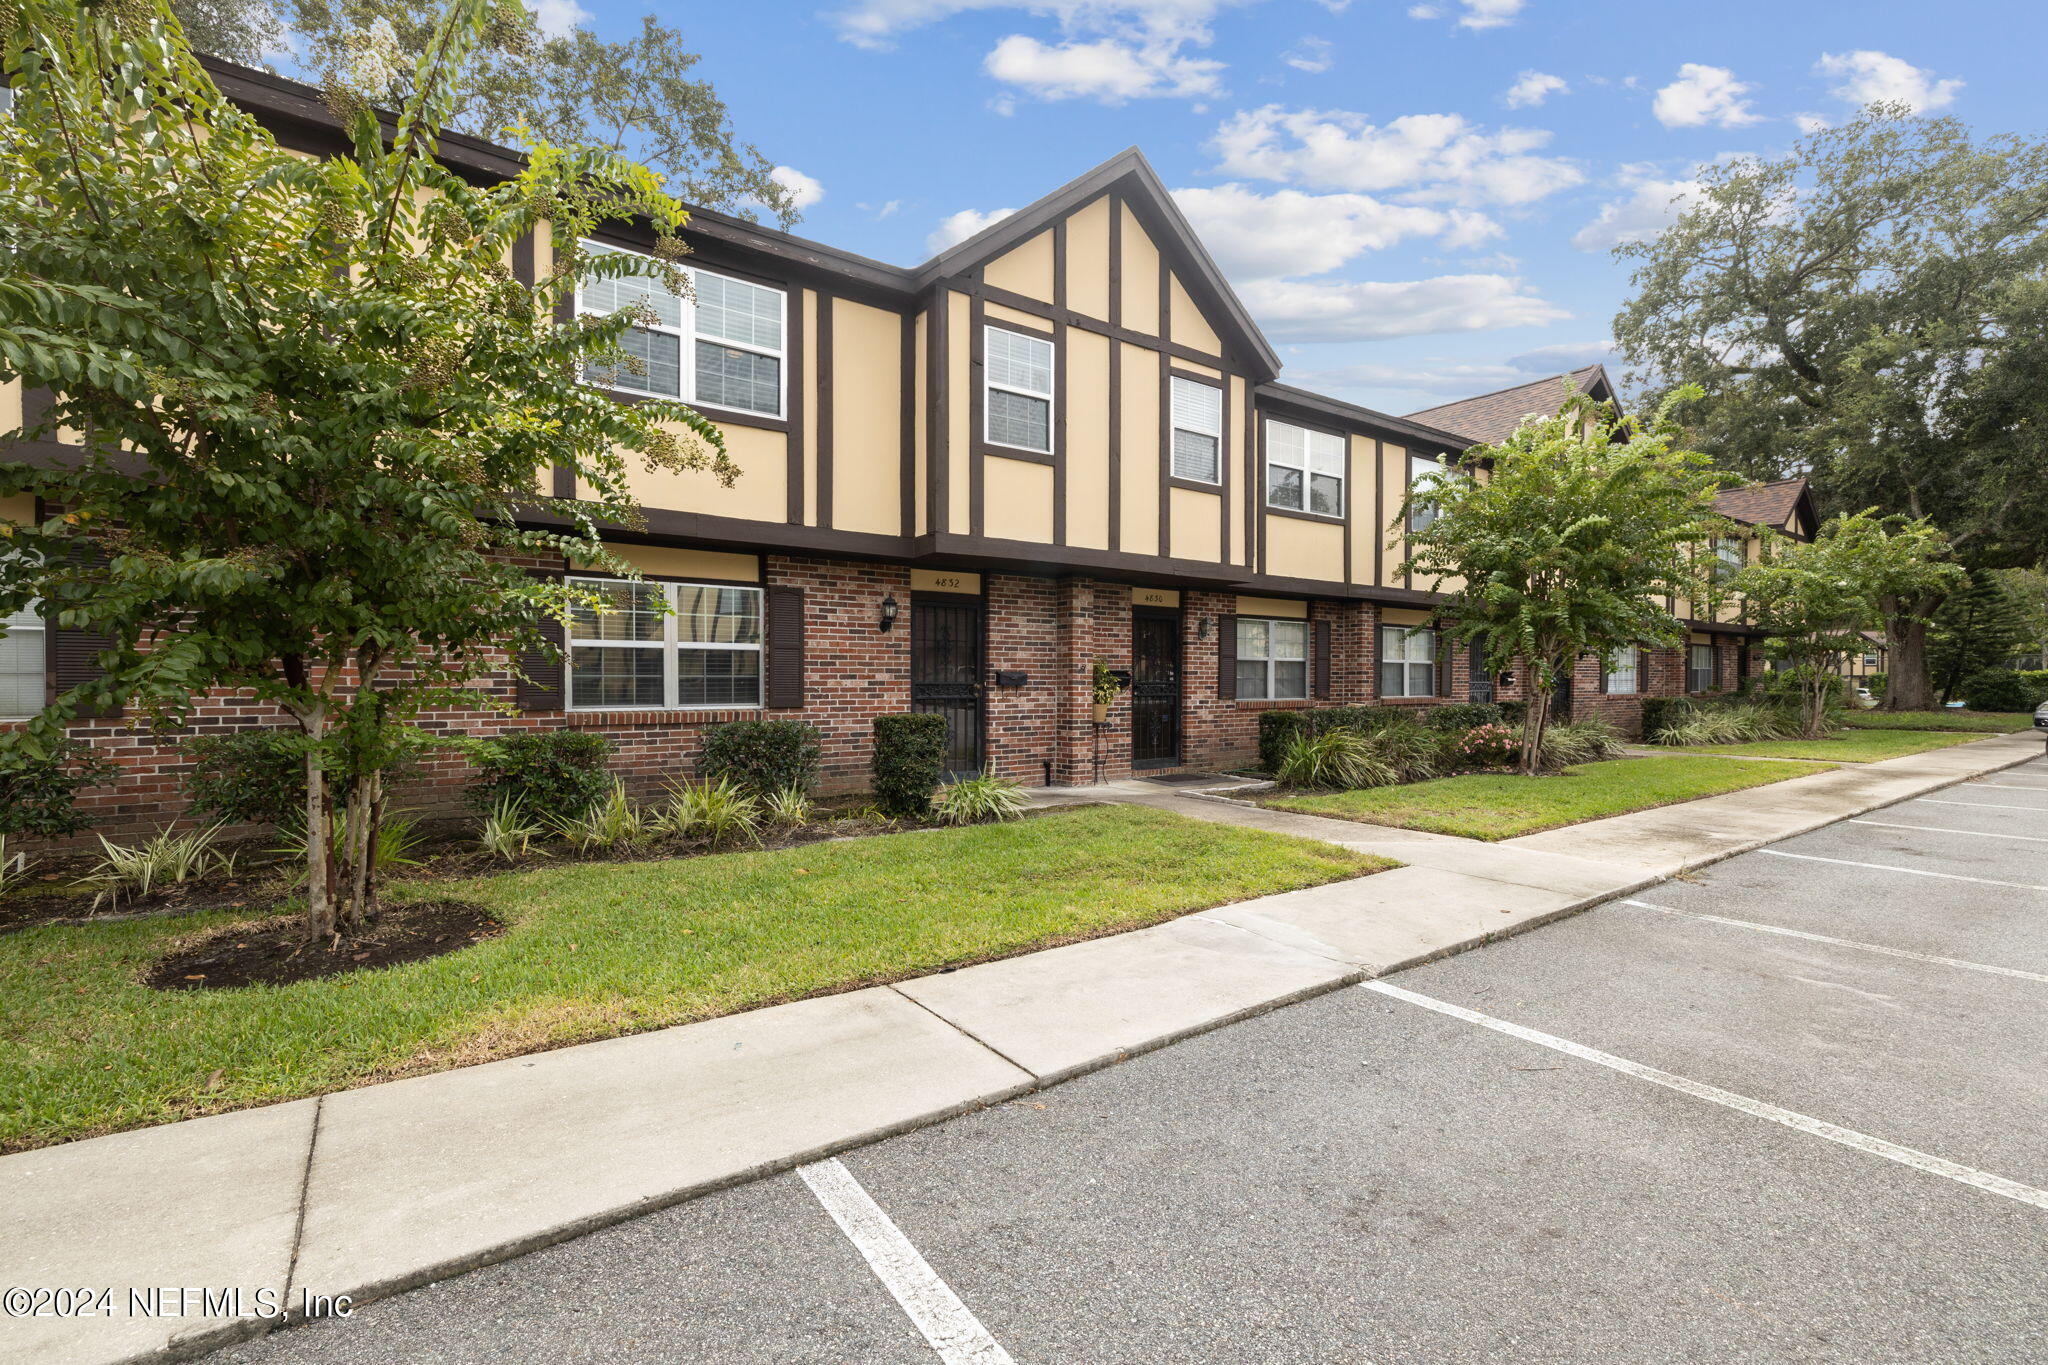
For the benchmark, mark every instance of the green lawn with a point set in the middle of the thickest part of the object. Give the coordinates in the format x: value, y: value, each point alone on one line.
x: 593, y: 950
x: 1843, y: 746
x: 1980, y: 722
x: 1502, y: 805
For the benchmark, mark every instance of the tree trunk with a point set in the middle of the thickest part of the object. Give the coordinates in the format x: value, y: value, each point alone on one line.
x: 320, y: 908
x: 1534, y: 720
x: 356, y: 863
x: 1907, y: 684
x: 366, y: 874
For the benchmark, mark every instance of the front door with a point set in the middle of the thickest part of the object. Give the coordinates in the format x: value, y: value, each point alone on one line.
x: 1561, y: 699
x: 945, y: 674
x: 1155, y: 689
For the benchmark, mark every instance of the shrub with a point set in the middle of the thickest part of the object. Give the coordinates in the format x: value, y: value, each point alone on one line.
x: 1462, y: 716
x: 1875, y: 682
x: 14, y: 867
x: 39, y: 796
x: 762, y: 756
x: 397, y: 838
x: 1580, y: 741
x: 787, y: 808
x: 1415, y: 753
x: 1513, y: 712
x: 714, y: 811
x: 612, y: 823
x: 1334, y: 760
x: 556, y: 774
x: 1662, y: 713
x: 2004, y: 689
x: 1483, y: 746
x: 982, y: 798
x: 508, y: 831
x: 255, y: 777
x: 1278, y: 730
x: 910, y: 758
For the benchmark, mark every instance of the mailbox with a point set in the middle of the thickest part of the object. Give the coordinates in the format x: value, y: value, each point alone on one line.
x: 1012, y: 677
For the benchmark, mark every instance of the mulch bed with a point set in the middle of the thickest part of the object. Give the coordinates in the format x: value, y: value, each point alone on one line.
x: 277, y: 953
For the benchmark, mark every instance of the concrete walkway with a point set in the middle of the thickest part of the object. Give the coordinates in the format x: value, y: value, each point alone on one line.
x: 367, y: 1192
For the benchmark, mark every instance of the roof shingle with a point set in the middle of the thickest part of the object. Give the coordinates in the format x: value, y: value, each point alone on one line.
x: 1761, y: 504
x: 1493, y: 417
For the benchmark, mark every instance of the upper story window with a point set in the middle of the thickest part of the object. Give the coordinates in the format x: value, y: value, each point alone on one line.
x: 22, y: 637
x: 1017, y: 394
x: 1624, y: 670
x: 1197, y: 431
x: 1421, y: 511
x: 733, y: 333
x: 664, y: 645
x: 1407, y: 661
x: 1272, y: 659
x: 1304, y: 469
x: 1730, y: 558
x: 1699, y: 668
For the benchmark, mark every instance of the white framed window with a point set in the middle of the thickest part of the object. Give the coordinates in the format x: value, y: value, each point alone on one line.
x: 1624, y: 670
x: 668, y: 646
x: 1870, y: 660
x: 1407, y: 661
x: 722, y: 349
x: 1304, y: 469
x: 1197, y: 431
x: 1699, y: 668
x: 1272, y: 659
x: 1730, y: 558
x: 23, y: 655
x: 1421, y: 512
x: 1016, y: 406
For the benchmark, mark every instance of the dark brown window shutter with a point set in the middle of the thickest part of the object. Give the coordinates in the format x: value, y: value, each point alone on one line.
x: 785, y: 621
x: 1442, y: 676
x: 72, y: 657
x: 1322, y: 660
x: 543, y: 686
x: 1226, y: 657
x: 1603, y: 664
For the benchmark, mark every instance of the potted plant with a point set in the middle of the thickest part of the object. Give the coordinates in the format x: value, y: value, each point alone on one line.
x: 1106, y: 687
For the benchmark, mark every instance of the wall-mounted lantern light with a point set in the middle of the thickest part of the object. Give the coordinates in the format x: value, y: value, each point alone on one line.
x: 889, y: 610
x: 1202, y: 629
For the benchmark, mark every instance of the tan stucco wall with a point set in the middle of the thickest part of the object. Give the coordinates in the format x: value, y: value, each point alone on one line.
x: 1025, y: 268
x: 1019, y: 503
x: 1197, y: 525
x: 920, y: 372
x: 1141, y: 277
x: 760, y: 493
x: 1030, y: 321
x: 1190, y: 328
x: 1087, y: 399
x: 1364, y: 535
x: 806, y: 370
x: 1088, y: 259
x: 1393, y: 473
x: 867, y: 418
x: 1287, y: 608
x: 1240, y: 464
x: 18, y: 508
x: 1139, y: 454
x: 959, y: 347
x: 1403, y: 616
x: 667, y: 561
x: 1304, y: 549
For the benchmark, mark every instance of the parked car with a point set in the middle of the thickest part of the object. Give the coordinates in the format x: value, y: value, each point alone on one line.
x: 2041, y: 716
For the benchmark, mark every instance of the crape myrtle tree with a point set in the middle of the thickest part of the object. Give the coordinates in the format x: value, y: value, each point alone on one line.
x: 318, y: 405
x: 1576, y: 535
x: 1870, y: 309
x: 1815, y: 599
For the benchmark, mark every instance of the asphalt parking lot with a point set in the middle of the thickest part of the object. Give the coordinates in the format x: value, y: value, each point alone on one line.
x: 1792, y: 1109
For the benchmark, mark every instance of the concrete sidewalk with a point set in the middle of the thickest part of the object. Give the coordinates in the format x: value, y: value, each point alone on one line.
x: 367, y: 1192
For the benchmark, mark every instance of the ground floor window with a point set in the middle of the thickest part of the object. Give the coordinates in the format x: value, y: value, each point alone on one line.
x: 1624, y: 669
x: 1407, y: 661
x: 1699, y: 668
x: 21, y: 664
x: 1272, y: 660
x: 664, y: 645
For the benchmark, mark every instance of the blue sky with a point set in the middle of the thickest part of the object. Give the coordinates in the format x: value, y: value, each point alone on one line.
x: 1416, y: 200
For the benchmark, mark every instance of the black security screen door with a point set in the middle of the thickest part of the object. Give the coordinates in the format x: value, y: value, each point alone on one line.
x: 1155, y: 689
x: 945, y: 674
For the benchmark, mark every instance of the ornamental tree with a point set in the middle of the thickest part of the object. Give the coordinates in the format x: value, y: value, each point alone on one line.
x: 318, y: 402
x: 1578, y: 534
x: 1815, y: 599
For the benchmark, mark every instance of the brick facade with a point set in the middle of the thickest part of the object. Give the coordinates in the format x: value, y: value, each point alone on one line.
x: 1051, y: 630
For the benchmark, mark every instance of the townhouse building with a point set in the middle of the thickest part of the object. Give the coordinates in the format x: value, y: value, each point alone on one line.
x: 1059, y: 444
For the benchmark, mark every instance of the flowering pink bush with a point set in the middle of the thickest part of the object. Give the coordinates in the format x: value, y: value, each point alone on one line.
x: 1485, y: 746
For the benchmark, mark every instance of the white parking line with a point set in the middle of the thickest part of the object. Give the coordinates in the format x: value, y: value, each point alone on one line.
x: 1909, y: 871
x: 1842, y: 942
x: 2006, y: 786
x: 1981, y: 805
x: 954, y: 1332
x: 1939, y: 829
x: 1801, y: 1123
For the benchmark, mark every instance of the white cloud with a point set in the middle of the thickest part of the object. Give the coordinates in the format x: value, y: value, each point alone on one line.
x: 1872, y: 77
x: 1641, y: 213
x: 1811, y: 123
x: 1534, y: 87
x: 1441, y: 379
x: 1430, y: 156
x: 1564, y: 355
x: 1311, y: 55
x: 1472, y: 13
x: 880, y: 211
x: 1256, y: 236
x: 956, y: 228
x: 1703, y: 95
x: 557, y: 17
x: 1307, y: 310
x: 804, y: 190
x: 875, y: 23
x: 1107, y: 70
